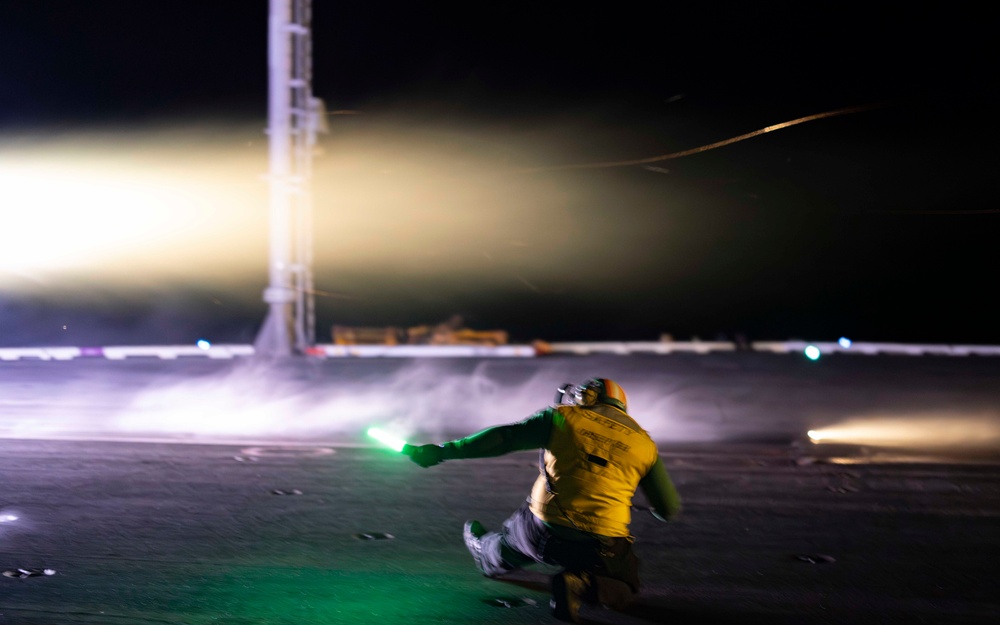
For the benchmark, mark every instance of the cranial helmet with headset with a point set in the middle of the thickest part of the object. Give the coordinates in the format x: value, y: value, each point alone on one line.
x: 600, y: 391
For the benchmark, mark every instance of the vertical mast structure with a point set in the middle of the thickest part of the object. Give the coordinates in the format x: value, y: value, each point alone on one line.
x: 294, y: 118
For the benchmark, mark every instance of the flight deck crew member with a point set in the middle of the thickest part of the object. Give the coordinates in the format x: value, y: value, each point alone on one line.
x: 593, y: 458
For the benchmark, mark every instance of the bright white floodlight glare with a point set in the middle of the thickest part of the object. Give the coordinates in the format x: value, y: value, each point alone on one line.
x: 203, y: 344
x: 844, y: 342
x: 812, y: 352
x: 7, y: 518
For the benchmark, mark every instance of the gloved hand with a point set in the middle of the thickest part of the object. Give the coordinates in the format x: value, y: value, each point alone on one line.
x: 425, y: 455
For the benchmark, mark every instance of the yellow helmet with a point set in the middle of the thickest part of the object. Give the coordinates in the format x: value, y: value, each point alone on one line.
x: 601, y: 391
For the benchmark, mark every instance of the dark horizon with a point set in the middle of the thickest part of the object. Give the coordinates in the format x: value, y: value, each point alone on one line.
x: 433, y: 198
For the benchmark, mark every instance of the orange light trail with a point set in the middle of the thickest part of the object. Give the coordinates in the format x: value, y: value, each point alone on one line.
x: 704, y: 148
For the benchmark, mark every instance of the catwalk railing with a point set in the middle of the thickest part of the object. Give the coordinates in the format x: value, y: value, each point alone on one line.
x: 223, y: 351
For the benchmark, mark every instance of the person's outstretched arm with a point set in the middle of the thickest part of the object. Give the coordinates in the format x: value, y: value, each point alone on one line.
x: 532, y: 433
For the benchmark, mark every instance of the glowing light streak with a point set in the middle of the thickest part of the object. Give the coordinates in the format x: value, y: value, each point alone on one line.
x: 923, y: 432
x: 61, y: 215
x: 705, y: 148
x: 390, y: 441
x: 186, y: 202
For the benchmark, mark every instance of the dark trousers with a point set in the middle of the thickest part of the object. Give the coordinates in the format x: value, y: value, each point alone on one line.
x: 611, y: 567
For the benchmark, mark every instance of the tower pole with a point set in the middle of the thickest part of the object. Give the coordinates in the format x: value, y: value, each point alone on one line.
x: 294, y: 117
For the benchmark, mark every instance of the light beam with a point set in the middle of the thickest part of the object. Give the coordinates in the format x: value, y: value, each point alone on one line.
x: 390, y: 441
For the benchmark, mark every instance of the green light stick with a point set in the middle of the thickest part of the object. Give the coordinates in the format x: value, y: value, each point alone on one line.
x: 390, y: 441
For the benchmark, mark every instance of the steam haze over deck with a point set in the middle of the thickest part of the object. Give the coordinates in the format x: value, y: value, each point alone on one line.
x: 132, y: 157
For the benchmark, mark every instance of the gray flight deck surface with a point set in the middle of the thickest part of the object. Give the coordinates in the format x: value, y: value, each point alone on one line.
x: 278, y: 516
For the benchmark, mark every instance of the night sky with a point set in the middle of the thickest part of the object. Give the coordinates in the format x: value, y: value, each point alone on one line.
x: 879, y: 224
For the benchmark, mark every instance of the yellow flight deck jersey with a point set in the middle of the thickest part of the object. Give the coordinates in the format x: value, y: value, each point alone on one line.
x: 592, y: 465
x: 594, y: 458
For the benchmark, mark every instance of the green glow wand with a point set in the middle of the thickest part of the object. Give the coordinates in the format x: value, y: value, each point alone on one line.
x: 390, y: 441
